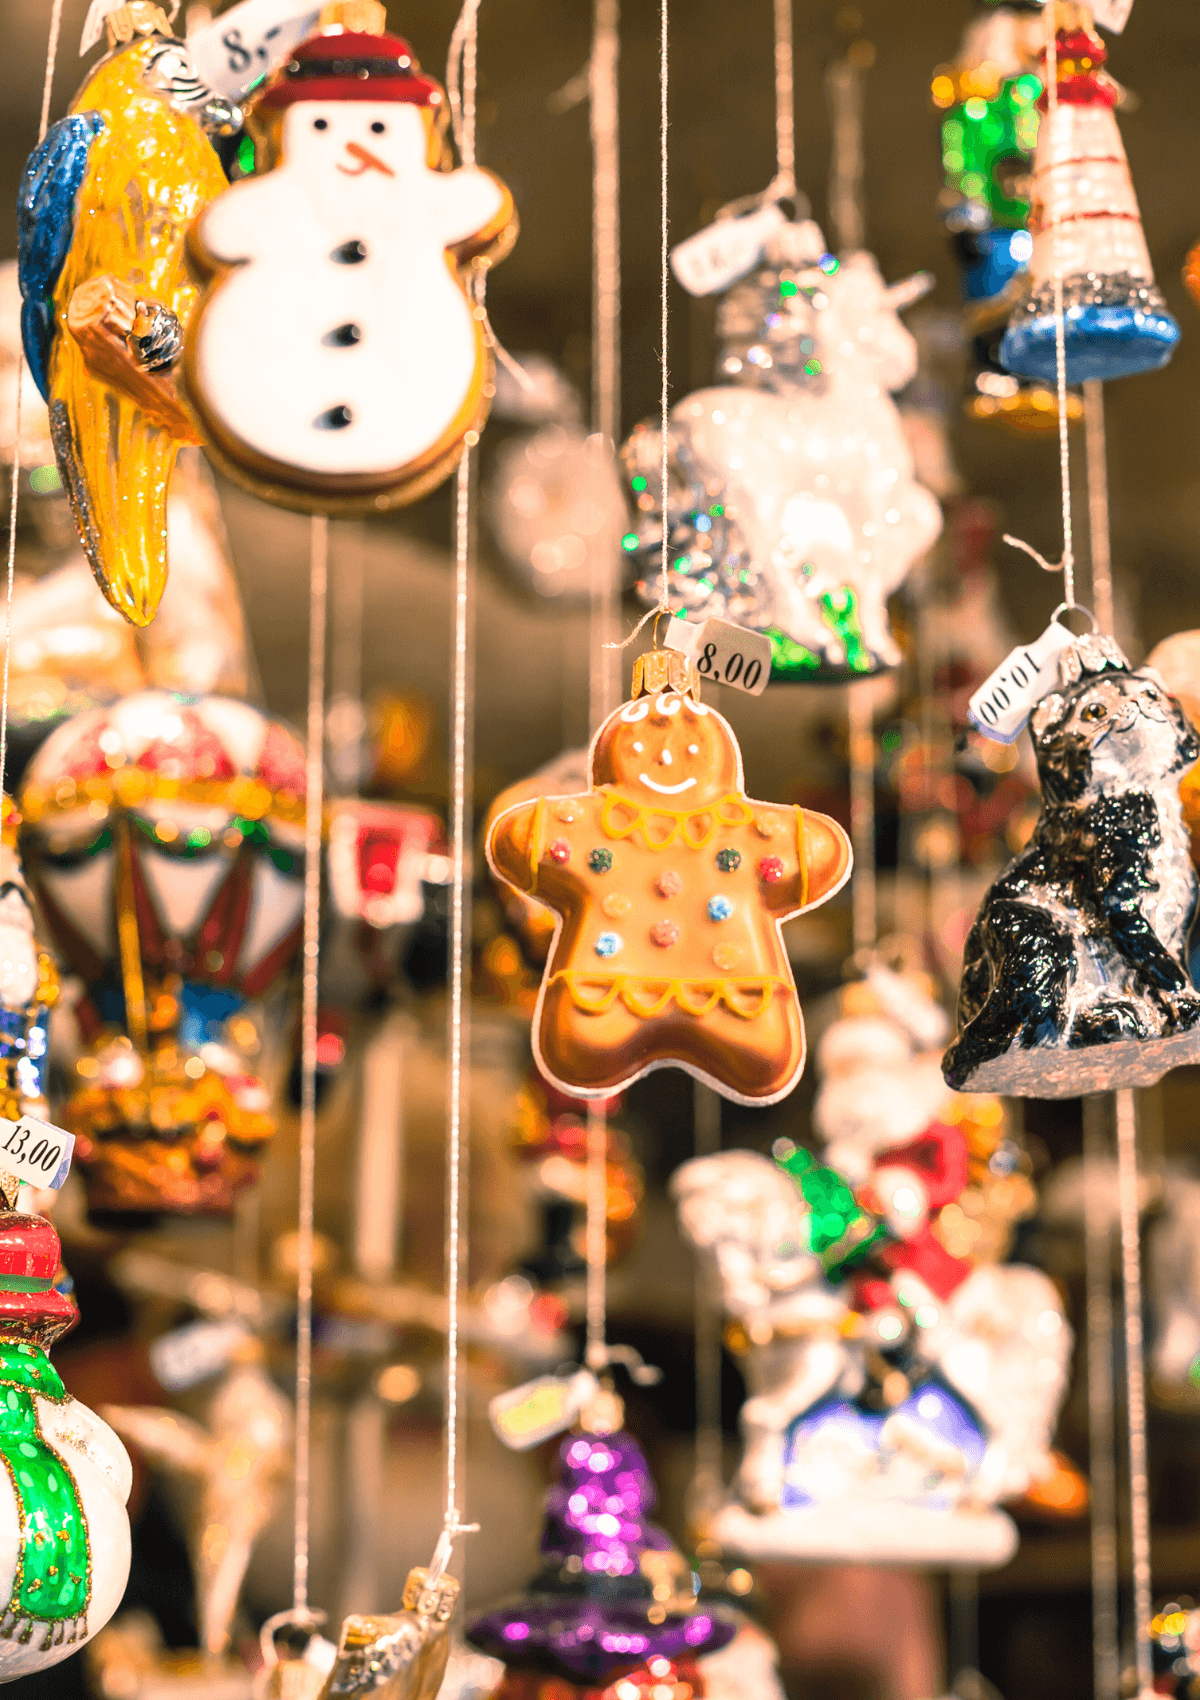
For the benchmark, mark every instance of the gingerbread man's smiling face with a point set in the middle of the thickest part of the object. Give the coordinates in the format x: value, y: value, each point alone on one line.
x: 668, y: 752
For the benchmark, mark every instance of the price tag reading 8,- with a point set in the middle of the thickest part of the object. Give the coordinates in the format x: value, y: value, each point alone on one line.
x: 36, y: 1152
x: 1006, y: 699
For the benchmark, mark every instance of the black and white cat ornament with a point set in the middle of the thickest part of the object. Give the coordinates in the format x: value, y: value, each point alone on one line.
x: 1075, y: 974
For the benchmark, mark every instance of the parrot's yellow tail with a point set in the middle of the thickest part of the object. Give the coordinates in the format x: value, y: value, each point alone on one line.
x: 115, y: 463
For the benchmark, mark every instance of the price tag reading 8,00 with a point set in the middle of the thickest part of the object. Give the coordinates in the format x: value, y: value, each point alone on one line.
x: 36, y: 1152
x: 1005, y: 700
x: 724, y: 654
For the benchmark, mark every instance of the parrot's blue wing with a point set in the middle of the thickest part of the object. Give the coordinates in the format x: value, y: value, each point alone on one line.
x: 45, y: 227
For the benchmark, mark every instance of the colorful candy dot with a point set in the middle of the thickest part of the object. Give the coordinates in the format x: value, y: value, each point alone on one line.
x: 770, y: 869
x: 608, y: 944
x: 729, y: 860
x: 720, y: 908
x: 664, y: 933
x: 599, y: 861
x: 559, y: 851
x: 616, y: 905
x: 726, y: 956
x: 668, y: 884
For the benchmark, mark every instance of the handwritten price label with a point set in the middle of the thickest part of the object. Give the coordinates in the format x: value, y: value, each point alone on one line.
x: 192, y: 1353
x: 724, y: 654
x: 527, y: 1415
x: 38, y: 1153
x: 1003, y: 703
x: 249, y: 41
x: 714, y: 258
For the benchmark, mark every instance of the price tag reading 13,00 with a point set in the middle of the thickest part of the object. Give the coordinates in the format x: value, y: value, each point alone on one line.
x: 36, y: 1152
x: 1005, y: 700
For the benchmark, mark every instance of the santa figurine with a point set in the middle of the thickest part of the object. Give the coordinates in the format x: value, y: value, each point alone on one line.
x: 1087, y: 230
x: 335, y: 360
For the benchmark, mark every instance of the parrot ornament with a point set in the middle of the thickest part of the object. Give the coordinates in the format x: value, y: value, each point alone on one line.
x: 103, y: 208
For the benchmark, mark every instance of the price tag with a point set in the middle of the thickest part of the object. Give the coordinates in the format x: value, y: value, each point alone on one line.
x: 93, y: 24
x: 1005, y: 700
x: 1112, y: 14
x: 527, y: 1415
x: 724, y: 654
x: 192, y: 1353
x: 715, y: 258
x: 38, y: 1153
x: 249, y: 41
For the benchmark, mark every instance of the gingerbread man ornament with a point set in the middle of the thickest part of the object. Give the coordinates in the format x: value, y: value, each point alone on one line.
x: 671, y: 887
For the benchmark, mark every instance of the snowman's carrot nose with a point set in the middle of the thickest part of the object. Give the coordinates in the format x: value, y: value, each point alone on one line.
x: 367, y: 162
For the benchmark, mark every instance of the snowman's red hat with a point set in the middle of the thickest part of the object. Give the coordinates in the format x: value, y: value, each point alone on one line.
x: 349, y: 66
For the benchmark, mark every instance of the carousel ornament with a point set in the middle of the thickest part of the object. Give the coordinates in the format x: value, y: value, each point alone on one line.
x: 336, y: 361
x: 791, y: 505
x: 398, y: 1656
x: 671, y: 887
x: 103, y: 209
x: 64, y: 1539
x: 882, y: 1425
x: 1075, y: 973
x: 164, y: 839
x: 1087, y: 230
x: 614, y: 1601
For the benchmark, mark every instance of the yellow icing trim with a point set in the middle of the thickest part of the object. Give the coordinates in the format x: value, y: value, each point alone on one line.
x: 646, y: 996
x: 728, y: 811
x: 535, y: 838
x: 803, y: 858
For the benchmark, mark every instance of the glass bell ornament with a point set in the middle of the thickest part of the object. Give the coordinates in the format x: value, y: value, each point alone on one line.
x: 1075, y: 974
x: 989, y: 129
x: 1086, y: 227
x: 791, y: 505
x: 64, y: 1533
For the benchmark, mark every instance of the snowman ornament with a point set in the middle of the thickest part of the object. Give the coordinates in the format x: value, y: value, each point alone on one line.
x: 335, y: 361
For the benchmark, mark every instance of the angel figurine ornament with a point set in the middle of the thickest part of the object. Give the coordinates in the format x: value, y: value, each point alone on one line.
x: 336, y: 360
x: 670, y: 886
x: 1075, y: 973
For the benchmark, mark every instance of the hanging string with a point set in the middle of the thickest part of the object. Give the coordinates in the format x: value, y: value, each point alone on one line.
x: 844, y: 92
x: 596, y: 1238
x: 461, y: 79
x: 1100, y: 543
x: 708, y: 1477
x: 314, y: 805
x: 604, y: 679
x: 1135, y: 1387
x: 663, y: 605
x: 783, y: 185
x: 1067, y: 564
x: 1102, y: 1475
x: 864, y: 905
x: 56, y: 12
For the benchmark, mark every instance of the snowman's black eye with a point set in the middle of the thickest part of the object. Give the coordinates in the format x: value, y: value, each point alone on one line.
x: 320, y: 123
x: 377, y: 128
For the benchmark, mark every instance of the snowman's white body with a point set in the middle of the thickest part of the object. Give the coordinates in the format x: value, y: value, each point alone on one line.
x: 103, y: 1477
x: 262, y: 368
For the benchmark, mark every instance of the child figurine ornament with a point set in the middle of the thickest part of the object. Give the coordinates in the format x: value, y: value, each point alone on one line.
x: 1075, y: 974
x: 670, y: 886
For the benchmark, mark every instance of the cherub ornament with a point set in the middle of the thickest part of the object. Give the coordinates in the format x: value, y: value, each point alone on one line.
x: 1075, y: 973
x: 103, y: 209
x: 64, y: 1535
x: 1087, y: 229
x: 671, y: 887
x: 336, y: 361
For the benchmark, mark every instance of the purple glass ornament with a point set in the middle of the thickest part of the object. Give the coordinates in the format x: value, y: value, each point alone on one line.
x: 587, y: 1616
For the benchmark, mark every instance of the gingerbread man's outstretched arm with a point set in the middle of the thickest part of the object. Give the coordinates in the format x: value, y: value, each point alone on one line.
x: 827, y: 857
x: 516, y: 842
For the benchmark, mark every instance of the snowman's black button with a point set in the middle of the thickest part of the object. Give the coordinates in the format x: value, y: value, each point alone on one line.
x: 334, y: 418
x: 343, y: 336
x: 351, y: 253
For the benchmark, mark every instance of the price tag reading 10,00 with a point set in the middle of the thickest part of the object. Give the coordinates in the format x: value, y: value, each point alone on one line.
x: 36, y: 1152
x: 1005, y: 700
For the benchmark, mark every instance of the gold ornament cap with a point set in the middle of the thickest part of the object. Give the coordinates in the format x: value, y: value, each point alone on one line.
x: 664, y: 670
x: 137, y: 18
x: 353, y: 17
x: 436, y: 1601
